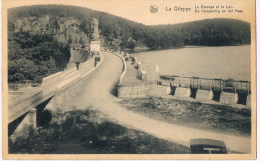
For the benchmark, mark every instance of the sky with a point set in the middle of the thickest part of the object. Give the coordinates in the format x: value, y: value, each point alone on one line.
x: 169, y: 11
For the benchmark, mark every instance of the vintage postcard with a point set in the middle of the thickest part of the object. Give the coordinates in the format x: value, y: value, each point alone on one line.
x: 123, y: 79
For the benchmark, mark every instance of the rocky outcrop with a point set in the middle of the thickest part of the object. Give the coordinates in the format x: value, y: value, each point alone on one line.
x: 34, y: 25
x: 94, y: 28
x: 65, y: 29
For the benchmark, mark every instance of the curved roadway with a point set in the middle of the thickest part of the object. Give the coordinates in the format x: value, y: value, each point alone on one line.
x: 96, y: 93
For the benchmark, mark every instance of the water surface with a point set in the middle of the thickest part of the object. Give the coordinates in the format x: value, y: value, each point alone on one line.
x: 205, y: 62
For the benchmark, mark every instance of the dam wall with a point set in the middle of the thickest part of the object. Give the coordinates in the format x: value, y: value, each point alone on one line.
x: 55, y: 91
x: 137, y: 87
x: 248, y: 101
x: 158, y: 91
x: 72, y: 85
x: 182, y: 92
x: 201, y: 95
x: 132, y: 91
x: 228, y: 92
x: 204, y: 95
x: 228, y: 98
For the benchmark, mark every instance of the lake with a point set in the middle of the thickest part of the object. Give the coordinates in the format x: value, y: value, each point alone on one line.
x: 205, y: 62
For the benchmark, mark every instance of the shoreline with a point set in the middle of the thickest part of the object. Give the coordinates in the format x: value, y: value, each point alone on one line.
x: 138, y: 51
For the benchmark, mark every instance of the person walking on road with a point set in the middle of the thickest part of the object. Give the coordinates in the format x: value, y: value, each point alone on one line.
x: 77, y: 65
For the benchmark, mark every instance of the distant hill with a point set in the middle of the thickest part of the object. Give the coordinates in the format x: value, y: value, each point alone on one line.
x: 210, y: 32
x: 39, y: 36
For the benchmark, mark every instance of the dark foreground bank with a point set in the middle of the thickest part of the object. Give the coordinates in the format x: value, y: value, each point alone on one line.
x: 219, y: 118
x: 88, y: 132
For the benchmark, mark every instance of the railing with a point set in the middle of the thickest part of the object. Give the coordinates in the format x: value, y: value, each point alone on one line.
x: 20, y: 86
x: 208, y: 84
x: 124, y: 67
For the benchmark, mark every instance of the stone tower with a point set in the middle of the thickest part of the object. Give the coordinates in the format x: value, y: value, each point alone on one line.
x: 94, y: 30
x: 95, y: 40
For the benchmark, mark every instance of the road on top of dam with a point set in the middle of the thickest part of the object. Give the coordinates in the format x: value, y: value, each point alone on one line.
x: 97, y: 93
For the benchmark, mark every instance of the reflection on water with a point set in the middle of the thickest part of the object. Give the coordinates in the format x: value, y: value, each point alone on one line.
x: 205, y: 62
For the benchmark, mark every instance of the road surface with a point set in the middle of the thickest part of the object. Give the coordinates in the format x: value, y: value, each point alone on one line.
x: 96, y: 93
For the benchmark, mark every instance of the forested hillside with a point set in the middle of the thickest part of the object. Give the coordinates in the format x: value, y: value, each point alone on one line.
x: 39, y: 36
x: 210, y: 32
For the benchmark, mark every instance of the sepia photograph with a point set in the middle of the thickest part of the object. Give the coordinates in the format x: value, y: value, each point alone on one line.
x: 128, y: 79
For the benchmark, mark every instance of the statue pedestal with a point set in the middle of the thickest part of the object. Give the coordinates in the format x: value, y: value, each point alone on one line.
x: 95, y: 46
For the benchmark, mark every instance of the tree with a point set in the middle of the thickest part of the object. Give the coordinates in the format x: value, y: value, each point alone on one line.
x: 131, y: 44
